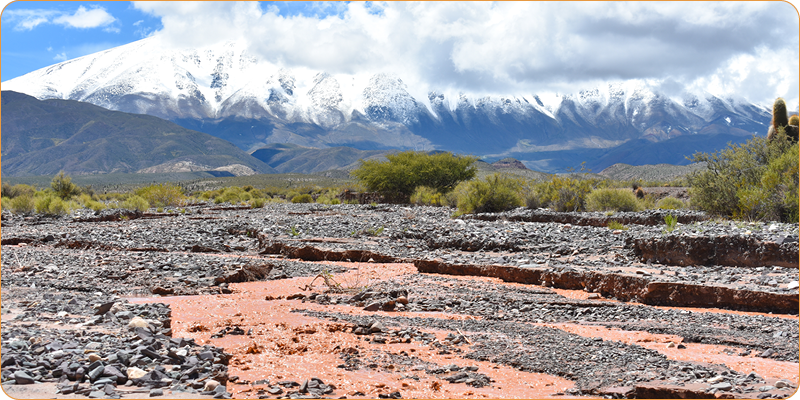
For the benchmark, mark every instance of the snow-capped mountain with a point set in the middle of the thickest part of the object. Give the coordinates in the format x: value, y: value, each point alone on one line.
x: 231, y: 94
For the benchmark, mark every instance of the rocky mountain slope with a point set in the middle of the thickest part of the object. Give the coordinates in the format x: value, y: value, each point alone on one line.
x: 44, y: 137
x: 231, y: 94
x: 291, y: 158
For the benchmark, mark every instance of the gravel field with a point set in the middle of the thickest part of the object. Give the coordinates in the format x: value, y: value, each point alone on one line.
x: 516, y: 290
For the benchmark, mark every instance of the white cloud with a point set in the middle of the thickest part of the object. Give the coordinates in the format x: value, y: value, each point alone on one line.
x: 86, y: 18
x: 83, y: 18
x: 25, y: 20
x: 60, y: 57
x: 515, y: 47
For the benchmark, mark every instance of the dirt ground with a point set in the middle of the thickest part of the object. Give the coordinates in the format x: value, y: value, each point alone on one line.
x: 359, y: 301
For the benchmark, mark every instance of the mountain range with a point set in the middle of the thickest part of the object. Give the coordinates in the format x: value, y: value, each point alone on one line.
x: 226, y: 92
x: 42, y: 137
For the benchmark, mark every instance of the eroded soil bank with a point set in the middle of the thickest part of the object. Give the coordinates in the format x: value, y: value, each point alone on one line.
x: 396, y: 302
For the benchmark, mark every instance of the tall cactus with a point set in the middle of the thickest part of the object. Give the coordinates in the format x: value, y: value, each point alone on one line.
x: 780, y: 121
x: 780, y: 118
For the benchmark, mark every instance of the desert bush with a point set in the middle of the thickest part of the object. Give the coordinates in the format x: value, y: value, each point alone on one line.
x: 17, y: 190
x: 611, y: 200
x: 23, y: 204
x: 614, y: 225
x: 51, y: 204
x: 754, y: 180
x: 162, y: 195
x: 86, y: 201
x: 328, y: 198
x: 397, y: 178
x: 61, y: 207
x: 41, y: 203
x: 560, y: 193
x: 495, y: 193
x: 303, y: 198
x: 135, y: 202
x: 670, y: 203
x: 257, y: 202
x: 427, y: 196
x: 63, y: 187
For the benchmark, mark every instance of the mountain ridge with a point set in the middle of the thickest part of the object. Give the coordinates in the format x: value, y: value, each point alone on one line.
x: 42, y: 137
x: 225, y: 91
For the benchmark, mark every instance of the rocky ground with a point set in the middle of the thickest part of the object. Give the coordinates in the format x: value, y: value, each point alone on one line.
x: 555, y: 294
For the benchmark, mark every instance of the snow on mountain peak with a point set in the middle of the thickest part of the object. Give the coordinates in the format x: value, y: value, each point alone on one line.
x: 224, y: 80
x: 387, y: 98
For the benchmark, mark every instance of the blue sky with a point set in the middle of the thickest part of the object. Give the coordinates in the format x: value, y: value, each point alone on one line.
x: 745, y: 49
x: 36, y: 34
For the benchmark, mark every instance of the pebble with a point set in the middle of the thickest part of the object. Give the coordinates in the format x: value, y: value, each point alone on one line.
x: 135, y: 373
x: 725, y: 386
x: 137, y: 322
x: 781, y: 384
x: 22, y: 378
x: 210, y: 385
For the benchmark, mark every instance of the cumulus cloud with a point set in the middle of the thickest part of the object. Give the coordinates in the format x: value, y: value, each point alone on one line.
x: 86, y: 18
x: 728, y: 48
x: 28, y: 19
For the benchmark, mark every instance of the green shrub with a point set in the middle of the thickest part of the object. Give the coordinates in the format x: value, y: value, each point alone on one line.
x: 257, y: 202
x: 424, y: 195
x: 616, y: 226
x: 23, y: 204
x: 95, y: 206
x: 303, y: 198
x: 776, y: 197
x: 42, y: 202
x: 560, y: 193
x: 671, y: 223
x: 162, y: 195
x: 63, y: 187
x: 754, y: 180
x: 611, y: 200
x: 61, y: 207
x: 17, y: 190
x: 670, y: 203
x: 135, y: 202
x: 495, y: 193
x: 397, y: 178
x: 328, y: 198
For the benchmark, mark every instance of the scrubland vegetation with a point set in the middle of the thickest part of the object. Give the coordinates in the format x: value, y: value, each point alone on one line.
x: 757, y: 180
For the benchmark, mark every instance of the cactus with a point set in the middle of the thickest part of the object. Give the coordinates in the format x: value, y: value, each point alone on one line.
x: 779, y: 116
x: 639, y: 193
x: 794, y: 120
